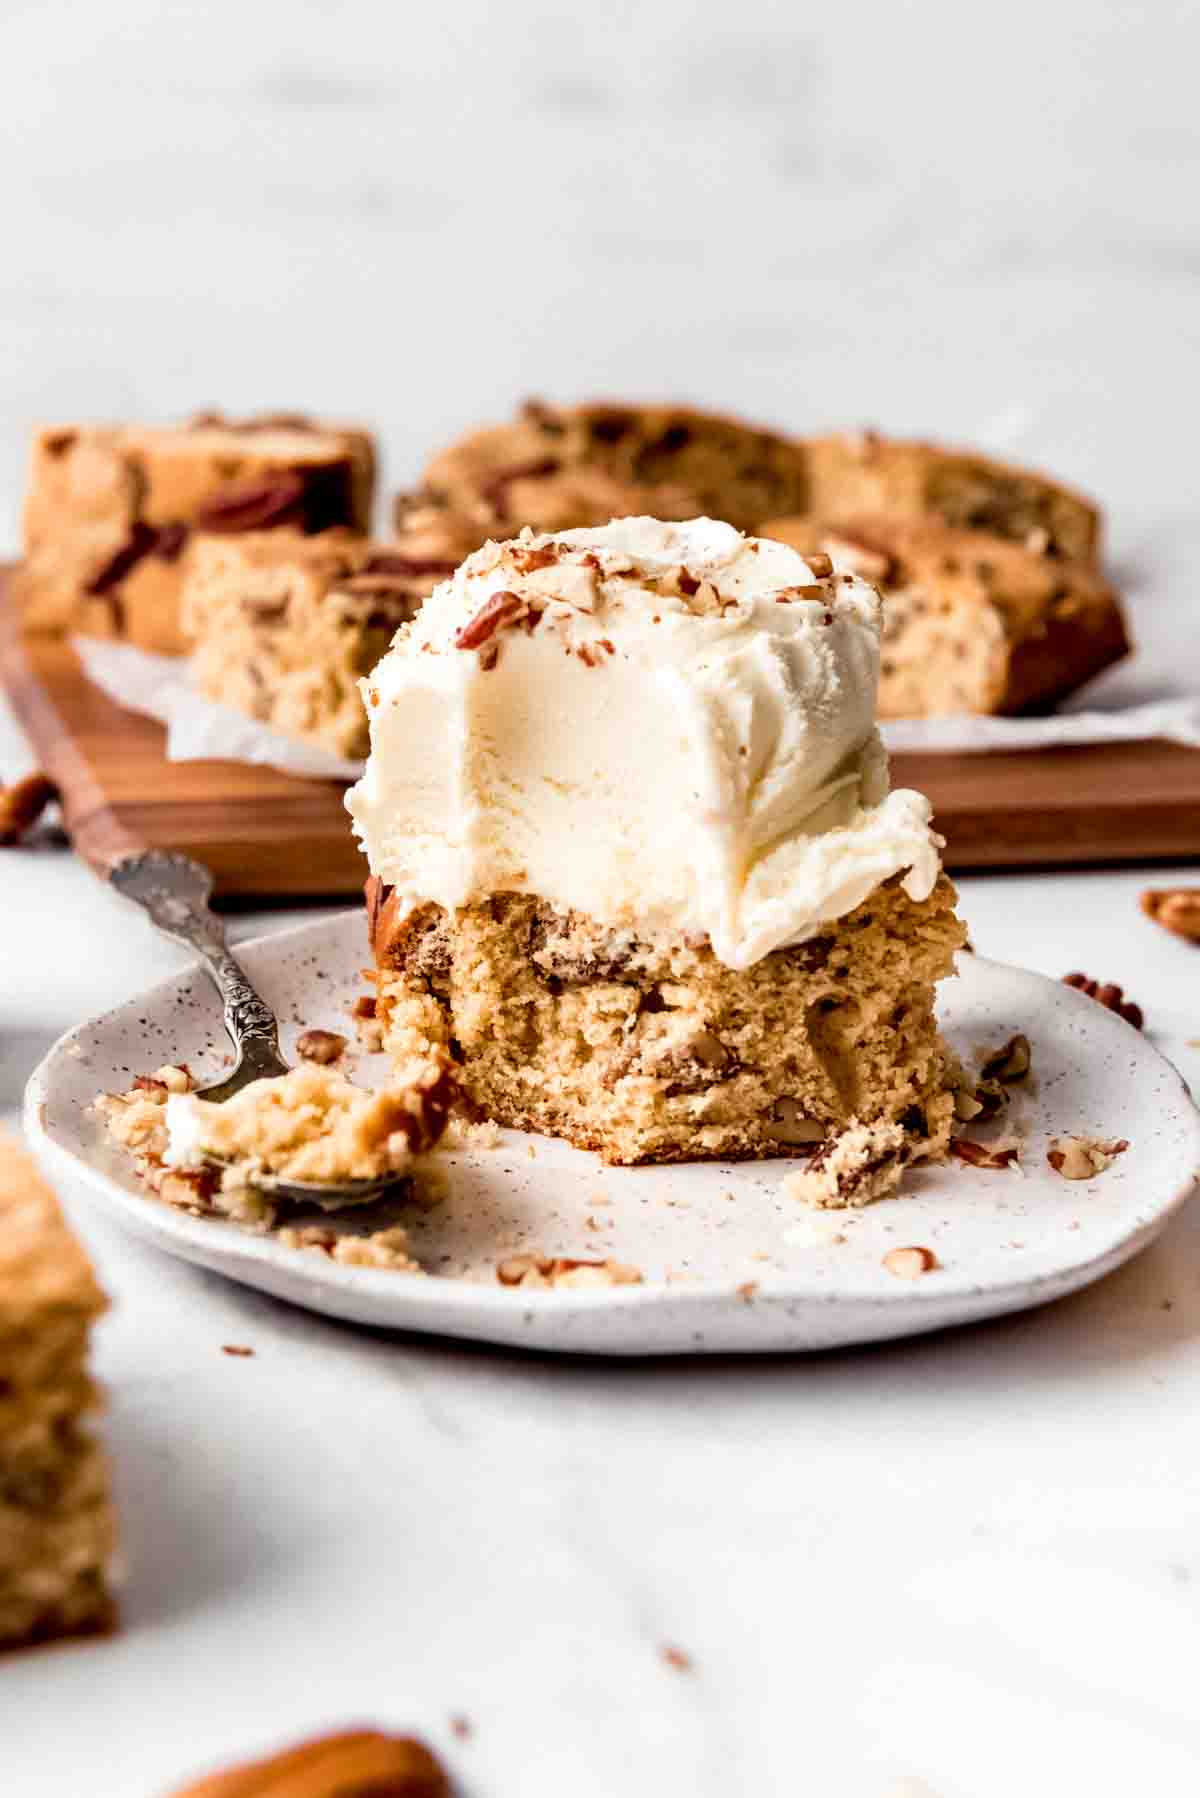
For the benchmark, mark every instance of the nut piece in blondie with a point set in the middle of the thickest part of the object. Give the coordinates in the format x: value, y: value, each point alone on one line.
x: 110, y: 511
x: 57, y: 1529
x: 972, y: 622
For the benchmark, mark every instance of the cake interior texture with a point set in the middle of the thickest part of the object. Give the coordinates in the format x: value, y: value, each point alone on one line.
x: 57, y: 1528
x: 651, y: 1049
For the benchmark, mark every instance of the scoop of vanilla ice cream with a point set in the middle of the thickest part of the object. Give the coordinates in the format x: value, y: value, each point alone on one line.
x: 666, y: 726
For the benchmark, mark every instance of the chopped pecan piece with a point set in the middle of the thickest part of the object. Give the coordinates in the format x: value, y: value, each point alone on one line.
x: 254, y: 505
x: 322, y: 1046
x: 1177, y: 909
x: 351, y: 1764
x: 1012, y: 1062
x: 977, y: 1154
x: 22, y: 804
x: 869, y: 560
x: 1111, y: 997
x: 1083, y: 1157
x: 494, y: 614
x: 911, y: 1263
x: 563, y: 1271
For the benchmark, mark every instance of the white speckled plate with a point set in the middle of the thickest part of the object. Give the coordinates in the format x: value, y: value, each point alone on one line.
x: 729, y: 1262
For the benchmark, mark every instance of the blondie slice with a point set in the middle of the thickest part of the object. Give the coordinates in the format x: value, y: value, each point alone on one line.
x: 57, y: 1530
x: 651, y: 1049
x: 556, y: 467
x: 111, y: 509
x: 559, y: 467
x: 972, y: 622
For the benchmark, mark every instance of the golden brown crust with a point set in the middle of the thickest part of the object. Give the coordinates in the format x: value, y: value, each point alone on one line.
x: 861, y: 474
x: 553, y: 467
x: 110, y: 509
x: 361, y: 1763
x: 972, y: 621
x: 559, y: 467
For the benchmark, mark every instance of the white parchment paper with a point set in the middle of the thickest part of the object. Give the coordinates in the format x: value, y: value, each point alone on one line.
x: 200, y: 730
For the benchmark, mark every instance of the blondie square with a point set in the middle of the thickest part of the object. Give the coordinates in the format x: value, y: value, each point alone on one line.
x: 57, y: 1530
x: 110, y: 511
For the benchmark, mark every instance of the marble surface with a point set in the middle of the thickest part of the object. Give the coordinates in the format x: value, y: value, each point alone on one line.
x: 964, y: 1566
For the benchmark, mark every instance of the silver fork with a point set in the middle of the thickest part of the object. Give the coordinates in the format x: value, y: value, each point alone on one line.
x: 174, y: 892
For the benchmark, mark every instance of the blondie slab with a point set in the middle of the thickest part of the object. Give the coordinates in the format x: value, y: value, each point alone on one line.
x: 110, y: 511
x: 57, y: 1530
x: 553, y: 467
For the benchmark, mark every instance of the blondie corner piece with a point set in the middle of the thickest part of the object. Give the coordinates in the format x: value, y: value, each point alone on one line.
x: 57, y: 1528
x: 110, y: 511
x: 654, y: 1050
x: 972, y: 622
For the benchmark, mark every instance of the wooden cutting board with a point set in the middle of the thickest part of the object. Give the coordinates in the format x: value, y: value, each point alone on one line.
x: 269, y: 835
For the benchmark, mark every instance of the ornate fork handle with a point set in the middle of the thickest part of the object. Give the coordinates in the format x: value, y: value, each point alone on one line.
x: 174, y: 890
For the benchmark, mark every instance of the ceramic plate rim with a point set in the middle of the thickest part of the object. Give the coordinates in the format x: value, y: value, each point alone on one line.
x: 199, y: 1239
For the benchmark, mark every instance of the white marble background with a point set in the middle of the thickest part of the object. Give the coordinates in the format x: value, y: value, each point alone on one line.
x: 970, y: 1560
x: 984, y: 225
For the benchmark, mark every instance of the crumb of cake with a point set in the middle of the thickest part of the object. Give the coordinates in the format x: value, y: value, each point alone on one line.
x: 977, y: 1154
x: 387, y: 1248
x: 467, y: 1133
x: 676, y: 1657
x: 323, y: 1046
x: 235, y: 1348
x: 911, y: 1263
x: 863, y: 1163
x: 309, y: 1126
x: 461, y: 1728
x: 747, y: 1290
x: 1083, y: 1157
x: 1177, y: 909
x: 1107, y: 994
x: 565, y: 1273
x: 22, y: 804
